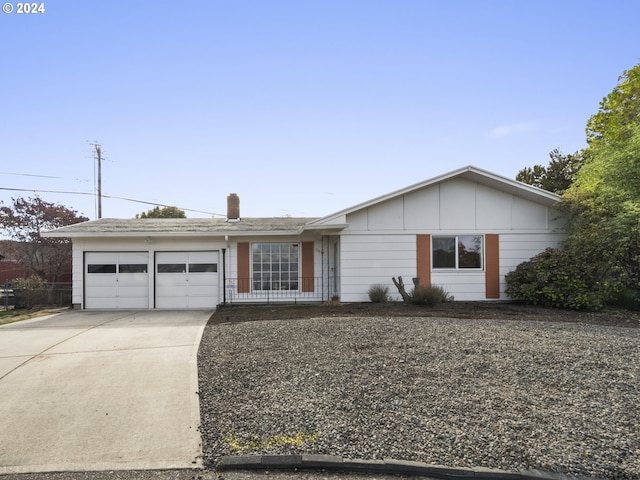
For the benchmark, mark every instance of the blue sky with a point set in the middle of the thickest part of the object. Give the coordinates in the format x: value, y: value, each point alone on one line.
x: 301, y: 107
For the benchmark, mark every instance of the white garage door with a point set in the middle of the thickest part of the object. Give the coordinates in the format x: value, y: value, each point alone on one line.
x: 186, y: 279
x: 116, y: 280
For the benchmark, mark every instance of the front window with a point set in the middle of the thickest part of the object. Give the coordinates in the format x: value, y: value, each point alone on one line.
x: 464, y: 251
x: 275, y: 266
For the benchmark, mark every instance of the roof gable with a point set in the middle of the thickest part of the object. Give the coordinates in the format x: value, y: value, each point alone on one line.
x: 470, y: 173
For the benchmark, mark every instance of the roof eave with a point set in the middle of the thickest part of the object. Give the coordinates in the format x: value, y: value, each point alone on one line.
x: 235, y: 233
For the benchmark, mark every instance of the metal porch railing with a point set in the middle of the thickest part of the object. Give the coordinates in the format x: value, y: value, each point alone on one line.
x: 244, y: 290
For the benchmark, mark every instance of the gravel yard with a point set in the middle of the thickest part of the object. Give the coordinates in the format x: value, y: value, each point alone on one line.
x: 514, y: 394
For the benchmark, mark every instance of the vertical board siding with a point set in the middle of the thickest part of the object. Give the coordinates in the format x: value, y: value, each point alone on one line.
x: 423, y: 256
x: 492, y: 266
x: 308, y: 280
x: 244, y: 270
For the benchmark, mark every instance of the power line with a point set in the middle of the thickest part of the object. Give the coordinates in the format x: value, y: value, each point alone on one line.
x: 110, y: 196
x: 29, y: 175
x: 42, y: 176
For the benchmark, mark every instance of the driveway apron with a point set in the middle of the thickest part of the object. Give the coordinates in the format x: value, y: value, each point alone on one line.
x: 108, y: 390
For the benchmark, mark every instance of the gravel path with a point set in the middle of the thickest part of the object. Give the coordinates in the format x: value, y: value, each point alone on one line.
x: 513, y: 395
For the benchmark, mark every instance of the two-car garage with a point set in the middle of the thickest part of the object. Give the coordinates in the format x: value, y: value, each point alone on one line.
x: 151, y: 279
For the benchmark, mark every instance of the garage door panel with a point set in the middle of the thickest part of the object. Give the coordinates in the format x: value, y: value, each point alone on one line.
x: 97, y: 302
x: 169, y: 291
x: 172, y: 302
x: 100, y: 281
x: 187, y: 279
x: 116, y: 280
x: 203, y: 257
x: 134, y: 257
x: 137, y: 292
x: 203, y: 279
x: 171, y: 257
x: 101, y: 257
x: 200, y: 290
x: 133, y: 280
x: 133, y: 302
x: 105, y: 292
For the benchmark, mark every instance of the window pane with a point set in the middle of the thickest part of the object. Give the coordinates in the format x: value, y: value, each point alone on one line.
x: 270, y: 265
x: 444, y: 252
x: 203, y: 267
x: 132, y: 268
x: 101, y: 268
x: 172, y: 268
x: 470, y: 252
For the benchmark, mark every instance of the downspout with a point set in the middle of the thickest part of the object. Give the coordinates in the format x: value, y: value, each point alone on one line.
x: 322, y: 263
x: 224, y: 276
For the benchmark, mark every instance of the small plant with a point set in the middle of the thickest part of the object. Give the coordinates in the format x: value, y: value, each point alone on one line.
x: 379, y: 294
x: 429, y: 295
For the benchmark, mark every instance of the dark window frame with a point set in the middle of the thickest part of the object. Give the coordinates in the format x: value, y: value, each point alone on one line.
x: 458, y: 258
x: 126, y: 268
x: 174, y: 267
x: 102, y: 268
x: 203, y: 267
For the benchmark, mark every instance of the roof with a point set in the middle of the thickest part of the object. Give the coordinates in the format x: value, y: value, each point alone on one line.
x: 286, y: 225
x: 181, y: 227
x: 470, y: 173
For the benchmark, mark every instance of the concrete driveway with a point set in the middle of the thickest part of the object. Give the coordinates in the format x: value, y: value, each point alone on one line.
x: 111, y: 390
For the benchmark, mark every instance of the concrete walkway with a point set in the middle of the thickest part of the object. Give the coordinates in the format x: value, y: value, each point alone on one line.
x: 83, y: 391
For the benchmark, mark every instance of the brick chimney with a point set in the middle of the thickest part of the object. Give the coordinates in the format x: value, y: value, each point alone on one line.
x: 233, y: 207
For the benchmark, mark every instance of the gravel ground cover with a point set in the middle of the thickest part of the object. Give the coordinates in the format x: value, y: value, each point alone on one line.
x: 462, y: 392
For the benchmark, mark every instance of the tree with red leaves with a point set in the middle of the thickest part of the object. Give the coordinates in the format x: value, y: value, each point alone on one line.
x: 25, y: 220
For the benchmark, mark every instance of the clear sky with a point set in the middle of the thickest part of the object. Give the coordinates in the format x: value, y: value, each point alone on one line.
x: 301, y: 107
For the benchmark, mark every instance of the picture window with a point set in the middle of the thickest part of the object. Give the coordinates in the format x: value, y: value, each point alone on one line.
x: 275, y: 266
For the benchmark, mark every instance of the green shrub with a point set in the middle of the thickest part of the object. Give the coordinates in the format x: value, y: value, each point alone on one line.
x: 29, y: 291
x: 430, y: 295
x: 379, y: 293
x: 554, y: 279
x: 628, y: 298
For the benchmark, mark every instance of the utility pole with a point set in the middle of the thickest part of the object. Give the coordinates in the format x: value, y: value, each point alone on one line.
x: 99, y: 158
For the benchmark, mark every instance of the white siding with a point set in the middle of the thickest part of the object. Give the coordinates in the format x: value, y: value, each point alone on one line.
x: 374, y: 259
x: 462, y: 285
x: 380, y: 241
x: 77, y: 276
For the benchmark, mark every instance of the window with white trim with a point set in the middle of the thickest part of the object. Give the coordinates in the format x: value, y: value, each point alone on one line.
x: 275, y: 266
x: 457, y: 252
